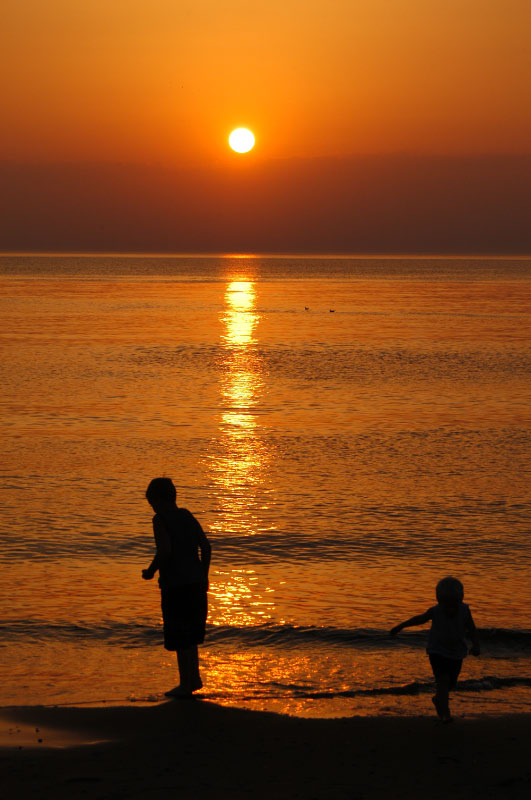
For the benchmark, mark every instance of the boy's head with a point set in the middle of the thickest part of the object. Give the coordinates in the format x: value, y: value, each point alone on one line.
x: 450, y: 592
x: 161, y: 491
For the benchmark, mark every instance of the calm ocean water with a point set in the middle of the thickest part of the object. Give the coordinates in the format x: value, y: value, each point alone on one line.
x: 348, y: 431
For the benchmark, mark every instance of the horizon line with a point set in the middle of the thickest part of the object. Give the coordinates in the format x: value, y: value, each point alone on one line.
x: 261, y: 254
x: 226, y: 159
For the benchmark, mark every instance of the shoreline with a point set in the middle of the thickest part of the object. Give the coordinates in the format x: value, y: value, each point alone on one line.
x: 200, y: 749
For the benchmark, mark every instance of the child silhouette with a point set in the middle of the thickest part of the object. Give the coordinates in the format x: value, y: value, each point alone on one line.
x: 451, y: 622
x: 183, y: 580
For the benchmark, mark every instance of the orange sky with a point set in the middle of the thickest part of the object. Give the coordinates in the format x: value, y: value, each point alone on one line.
x: 164, y: 81
x: 116, y: 114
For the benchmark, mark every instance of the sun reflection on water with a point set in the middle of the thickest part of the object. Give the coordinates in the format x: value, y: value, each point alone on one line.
x: 239, y: 458
x: 240, y: 465
x: 240, y: 600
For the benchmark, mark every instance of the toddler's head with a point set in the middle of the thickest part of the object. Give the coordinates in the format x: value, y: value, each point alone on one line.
x: 161, y: 492
x: 450, y: 593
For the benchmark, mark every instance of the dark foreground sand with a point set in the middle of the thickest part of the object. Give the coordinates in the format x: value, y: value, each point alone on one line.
x: 195, y: 749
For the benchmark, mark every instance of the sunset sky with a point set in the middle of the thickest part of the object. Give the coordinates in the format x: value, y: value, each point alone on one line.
x: 152, y: 88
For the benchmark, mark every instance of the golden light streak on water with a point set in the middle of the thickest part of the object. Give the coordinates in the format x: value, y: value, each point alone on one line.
x: 239, y: 316
x: 240, y: 599
x: 240, y: 459
x: 240, y: 467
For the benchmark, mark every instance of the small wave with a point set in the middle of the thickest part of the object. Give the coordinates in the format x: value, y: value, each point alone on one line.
x: 495, y: 641
x: 293, y: 636
x: 486, y: 684
x: 119, y: 633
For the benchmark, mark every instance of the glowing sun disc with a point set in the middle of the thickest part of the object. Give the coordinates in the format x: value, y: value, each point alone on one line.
x: 241, y: 140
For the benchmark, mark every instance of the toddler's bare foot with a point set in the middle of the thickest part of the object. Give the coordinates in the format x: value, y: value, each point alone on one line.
x: 438, y: 708
x: 442, y: 711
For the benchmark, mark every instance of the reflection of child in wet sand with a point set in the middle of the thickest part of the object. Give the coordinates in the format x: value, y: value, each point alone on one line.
x: 183, y: 580
x: 451, y: 622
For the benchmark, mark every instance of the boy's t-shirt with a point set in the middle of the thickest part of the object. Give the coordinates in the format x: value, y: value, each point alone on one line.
x: 447, y: 636
x: 184, y: 565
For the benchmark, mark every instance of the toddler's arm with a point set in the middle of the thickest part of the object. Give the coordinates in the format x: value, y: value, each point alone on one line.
x: 420, y: 619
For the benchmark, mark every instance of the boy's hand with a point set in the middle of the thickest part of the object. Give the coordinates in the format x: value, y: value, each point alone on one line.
x: 147, y: 574
x: 475, y: 650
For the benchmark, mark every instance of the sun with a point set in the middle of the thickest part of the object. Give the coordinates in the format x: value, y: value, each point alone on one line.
x: 241, y: 140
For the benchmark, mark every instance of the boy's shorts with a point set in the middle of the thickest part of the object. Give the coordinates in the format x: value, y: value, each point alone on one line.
x: 184, y: 613
x: 450, y: 667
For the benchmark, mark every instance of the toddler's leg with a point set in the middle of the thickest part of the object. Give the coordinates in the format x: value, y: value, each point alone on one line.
x: 441, y: 699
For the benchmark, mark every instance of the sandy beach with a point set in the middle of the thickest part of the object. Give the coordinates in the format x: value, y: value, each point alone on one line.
x: 197, y: 749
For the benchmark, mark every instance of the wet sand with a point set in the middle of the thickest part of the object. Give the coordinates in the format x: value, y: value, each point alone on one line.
x: 197, y: 749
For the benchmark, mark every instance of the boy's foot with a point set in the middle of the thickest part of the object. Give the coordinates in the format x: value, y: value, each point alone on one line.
x: 178, y: 691
x: 185, y: 691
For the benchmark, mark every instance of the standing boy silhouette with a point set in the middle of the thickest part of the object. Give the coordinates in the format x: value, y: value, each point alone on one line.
x: 183, y: 580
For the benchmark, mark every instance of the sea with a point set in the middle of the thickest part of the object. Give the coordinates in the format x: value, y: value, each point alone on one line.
x: 347, y: 430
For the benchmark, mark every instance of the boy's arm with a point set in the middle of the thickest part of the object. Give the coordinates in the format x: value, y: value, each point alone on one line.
x: 420, y: 619
x: 162, y: 541
x: 149, y: 573
x: 474, y: 636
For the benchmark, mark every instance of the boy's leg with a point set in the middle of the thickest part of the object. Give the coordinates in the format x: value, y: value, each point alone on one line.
x: 195, y: 677
x: 183, y: 689
x: 190, y: 680
x: 181, y: 662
